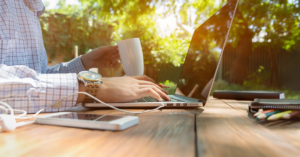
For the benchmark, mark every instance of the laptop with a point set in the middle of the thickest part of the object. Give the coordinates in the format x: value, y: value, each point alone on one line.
x: 200, y: 65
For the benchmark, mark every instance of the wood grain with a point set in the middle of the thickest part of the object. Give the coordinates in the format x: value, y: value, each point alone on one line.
x: 225, y: 131
x: 221, y: 128
x: 160, y: 133
x: 287, y: 129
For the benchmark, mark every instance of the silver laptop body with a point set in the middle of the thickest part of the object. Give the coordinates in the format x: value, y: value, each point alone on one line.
x: 200, y: 66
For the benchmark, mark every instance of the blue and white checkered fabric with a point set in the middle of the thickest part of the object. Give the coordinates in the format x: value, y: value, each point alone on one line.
x: 26, y: 82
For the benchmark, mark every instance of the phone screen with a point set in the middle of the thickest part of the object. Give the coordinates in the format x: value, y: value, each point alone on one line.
x: 90, y: 117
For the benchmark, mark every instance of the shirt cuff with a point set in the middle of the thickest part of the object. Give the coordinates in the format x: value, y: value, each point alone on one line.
x: 54, y: 87
x: 75, y: 65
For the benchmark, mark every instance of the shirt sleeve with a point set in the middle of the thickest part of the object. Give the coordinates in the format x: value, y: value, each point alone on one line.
x: 25, y: 89
x: 73, y: 66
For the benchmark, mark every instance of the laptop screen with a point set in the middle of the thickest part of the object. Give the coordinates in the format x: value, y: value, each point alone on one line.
x: 203, y: 55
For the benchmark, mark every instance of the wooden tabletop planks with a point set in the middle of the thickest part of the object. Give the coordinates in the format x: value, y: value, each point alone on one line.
x: 159, y: 133
x: 225, y: 131
x: 221, y: 128
x: 287, y: 129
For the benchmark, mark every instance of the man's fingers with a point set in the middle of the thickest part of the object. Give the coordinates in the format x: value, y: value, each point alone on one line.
x: 108, y: 48
x: 151, y: 83
x: 114, y: 61
x: 142, y: 82
x: 107, y: 64
x: 115, y: 56
x: 150, y: 92
x: 162, y: 93
x: 143, y: 77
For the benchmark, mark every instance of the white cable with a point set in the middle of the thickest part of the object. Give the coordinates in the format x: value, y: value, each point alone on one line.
x: 4, y: 109
x: 8, y: 106
x: 14, y: 110
x: 162, y: 105
x: 22, y: 116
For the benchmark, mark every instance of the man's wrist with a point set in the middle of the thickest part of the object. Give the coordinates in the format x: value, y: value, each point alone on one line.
x: 102, y: 91
x: 86, y: 62
x: 81, y: 88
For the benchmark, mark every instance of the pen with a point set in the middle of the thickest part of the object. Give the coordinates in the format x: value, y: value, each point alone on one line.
x: 265, y: 115
x: 278, y: 115
x: 291, y: 115
x: 267, y: 111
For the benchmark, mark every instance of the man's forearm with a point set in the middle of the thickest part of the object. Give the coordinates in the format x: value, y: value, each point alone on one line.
x: 25, y: 89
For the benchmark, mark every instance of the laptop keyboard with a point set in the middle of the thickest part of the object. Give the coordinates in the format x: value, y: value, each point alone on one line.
x: 149, y: 99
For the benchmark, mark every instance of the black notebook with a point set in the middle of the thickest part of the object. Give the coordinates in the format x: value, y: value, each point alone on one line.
x: 276, y: 104
x: 247, y: 95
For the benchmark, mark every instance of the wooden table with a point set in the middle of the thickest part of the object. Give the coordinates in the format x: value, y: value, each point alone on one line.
x: 221, y: 128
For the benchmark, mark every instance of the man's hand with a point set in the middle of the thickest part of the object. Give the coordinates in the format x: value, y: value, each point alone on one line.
x: 128, y: 89
x: 102, y: 57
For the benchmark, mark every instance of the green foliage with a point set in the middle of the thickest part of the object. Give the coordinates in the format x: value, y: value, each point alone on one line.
x: 279, y: 19
x: 97, y: 23
x: 173, y: 48
x: 261, y: 76
x: 71, y: 25
x: 62, y: 32
x: 134, y: 18
x: 206, y: 8
x: 172, y: 86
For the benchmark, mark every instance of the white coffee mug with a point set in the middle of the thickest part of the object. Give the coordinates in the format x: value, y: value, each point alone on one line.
x: 131, y: 55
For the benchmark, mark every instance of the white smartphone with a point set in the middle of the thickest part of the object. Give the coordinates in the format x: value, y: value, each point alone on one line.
x: 88, y: 121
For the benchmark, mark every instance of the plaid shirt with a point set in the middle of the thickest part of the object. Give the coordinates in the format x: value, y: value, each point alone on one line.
x: 26, y: 82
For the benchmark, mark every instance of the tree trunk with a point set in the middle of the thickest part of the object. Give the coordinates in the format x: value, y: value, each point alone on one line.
x: 239, y: 70
x: 274, y: 80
